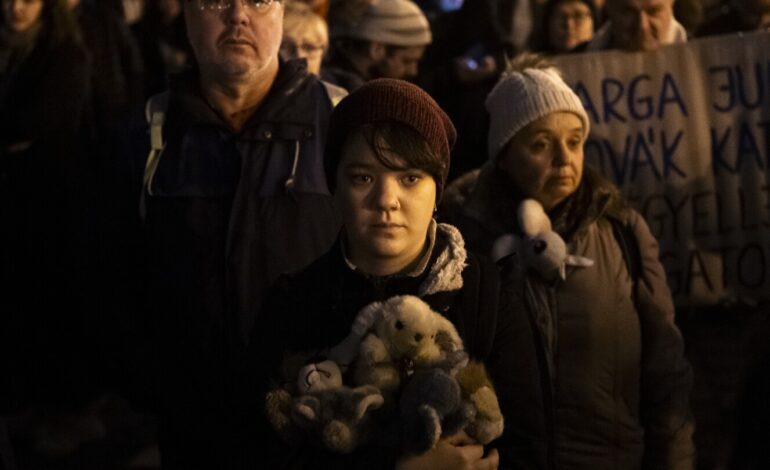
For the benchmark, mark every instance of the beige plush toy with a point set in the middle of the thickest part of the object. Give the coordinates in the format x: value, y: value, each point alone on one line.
x: 405, y: 334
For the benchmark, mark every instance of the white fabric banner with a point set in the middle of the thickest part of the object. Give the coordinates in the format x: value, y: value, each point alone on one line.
x: 685, y: 132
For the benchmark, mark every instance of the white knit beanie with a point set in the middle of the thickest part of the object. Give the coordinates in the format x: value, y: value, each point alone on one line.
x: 390, y: 22
x: 520, y: 98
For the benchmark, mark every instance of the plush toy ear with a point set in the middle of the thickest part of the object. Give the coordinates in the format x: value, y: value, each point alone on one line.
x: 367, y: 318
x: 505, y: 245
x: 579, y: 261
x: 532, y: 218
x: 447, y: 337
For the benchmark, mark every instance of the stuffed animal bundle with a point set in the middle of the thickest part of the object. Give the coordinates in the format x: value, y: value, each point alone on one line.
x: 320, y: 409
x: 540, y: 248
x: 412, y: 349
x: 405, y: 356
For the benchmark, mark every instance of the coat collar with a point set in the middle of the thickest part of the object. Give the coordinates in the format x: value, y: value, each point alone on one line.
x: 286, y: 103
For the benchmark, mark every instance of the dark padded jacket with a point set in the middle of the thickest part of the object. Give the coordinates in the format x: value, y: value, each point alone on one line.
x: 314, y: 309
x: 227, y: 212
x: 620, y: 383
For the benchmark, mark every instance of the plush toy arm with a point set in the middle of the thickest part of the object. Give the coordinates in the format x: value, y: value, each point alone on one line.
x: 344, y: 352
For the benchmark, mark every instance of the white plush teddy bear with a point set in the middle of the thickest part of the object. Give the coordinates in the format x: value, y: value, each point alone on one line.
x: 540, y: 248
x: 403, y: 331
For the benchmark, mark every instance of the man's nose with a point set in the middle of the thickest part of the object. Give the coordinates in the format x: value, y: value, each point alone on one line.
x: 238, y: 13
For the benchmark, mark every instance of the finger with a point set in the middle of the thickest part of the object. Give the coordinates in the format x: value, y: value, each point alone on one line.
x: 472, y: 453
x: 490, y: 462
x: 460, y: 439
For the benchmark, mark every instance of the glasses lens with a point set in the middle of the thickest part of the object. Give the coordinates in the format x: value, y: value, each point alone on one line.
x: 214, y: 4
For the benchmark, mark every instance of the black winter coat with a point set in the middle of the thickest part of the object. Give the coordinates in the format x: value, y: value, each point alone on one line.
x: 314, y: 309
x: 226, y: 214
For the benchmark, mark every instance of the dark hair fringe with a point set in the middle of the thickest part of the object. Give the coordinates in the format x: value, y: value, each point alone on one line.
x: 393, y: 140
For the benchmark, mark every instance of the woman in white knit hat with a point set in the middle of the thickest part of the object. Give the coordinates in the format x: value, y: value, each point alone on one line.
x: 615, y: 380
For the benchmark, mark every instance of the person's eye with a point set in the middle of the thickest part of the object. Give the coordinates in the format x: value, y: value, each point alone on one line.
x: 539, y: 146
x: 575, y: 143
x: 411, y: 179
x: 361, y: 178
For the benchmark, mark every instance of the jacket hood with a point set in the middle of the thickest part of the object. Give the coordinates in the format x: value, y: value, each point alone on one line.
x: 445, y: 273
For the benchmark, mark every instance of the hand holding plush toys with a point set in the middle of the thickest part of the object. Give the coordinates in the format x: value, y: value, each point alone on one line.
x: 406, y: 357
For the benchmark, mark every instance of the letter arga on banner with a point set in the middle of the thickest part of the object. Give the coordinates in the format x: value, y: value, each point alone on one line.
x: 685, y: 133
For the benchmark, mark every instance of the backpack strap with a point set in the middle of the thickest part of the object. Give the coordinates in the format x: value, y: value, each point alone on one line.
x: 629, y: 246
x: 334, y: 92
x: 155, y: 114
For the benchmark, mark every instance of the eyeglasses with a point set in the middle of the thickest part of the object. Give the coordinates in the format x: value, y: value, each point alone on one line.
x: 290, y: 48
x: 259, y: 5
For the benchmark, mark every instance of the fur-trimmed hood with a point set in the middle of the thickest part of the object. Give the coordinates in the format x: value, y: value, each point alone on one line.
x: 446, y: 272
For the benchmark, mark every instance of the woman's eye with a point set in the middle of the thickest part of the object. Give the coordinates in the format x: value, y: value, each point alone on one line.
x: 575, y: 143
x: 410, y: 180
x: 360, y: 178
x: 539, y: 146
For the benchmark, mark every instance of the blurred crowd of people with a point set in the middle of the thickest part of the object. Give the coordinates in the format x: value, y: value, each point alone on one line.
x: 82, y: 207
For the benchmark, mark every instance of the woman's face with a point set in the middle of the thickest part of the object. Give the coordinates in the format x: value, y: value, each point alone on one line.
x: 386, y: 213
x: 570, y: 25
x: 545, y: 159
x: 22, y: 14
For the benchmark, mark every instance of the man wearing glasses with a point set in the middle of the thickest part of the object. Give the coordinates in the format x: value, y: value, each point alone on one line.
x: 234, y: 195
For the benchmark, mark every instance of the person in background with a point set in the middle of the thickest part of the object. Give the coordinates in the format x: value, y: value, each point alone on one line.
x: 305, y: 35
x: 235, y: 197
x: 162, y: 38
x: 44, y: 345
x: 375, y: 39
x: 737, y: 16
x: 567, y: 24
x: 619, y: 381
x: 638, y: 25
x: 386, y: 160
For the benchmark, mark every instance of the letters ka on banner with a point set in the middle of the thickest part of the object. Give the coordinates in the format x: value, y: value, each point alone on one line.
x: 685, y: 132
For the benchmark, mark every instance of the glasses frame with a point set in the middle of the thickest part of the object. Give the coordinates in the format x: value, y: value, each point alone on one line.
x: 219, y: 5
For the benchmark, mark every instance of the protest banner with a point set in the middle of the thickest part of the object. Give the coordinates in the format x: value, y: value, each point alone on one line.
x: 685, y: 132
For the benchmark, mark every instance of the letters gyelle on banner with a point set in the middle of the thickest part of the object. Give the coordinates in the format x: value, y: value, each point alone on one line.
x: 685, y: 132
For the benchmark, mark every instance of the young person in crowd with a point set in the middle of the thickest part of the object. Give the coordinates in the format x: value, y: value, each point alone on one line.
x: 386, y: 161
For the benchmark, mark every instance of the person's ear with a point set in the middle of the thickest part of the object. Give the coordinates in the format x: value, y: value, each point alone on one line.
x: 376, y: 51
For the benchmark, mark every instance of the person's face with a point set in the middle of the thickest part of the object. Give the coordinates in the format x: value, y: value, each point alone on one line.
x: 640, y: 25
x: 545, y: 159
x: 304, y: 46
x: 755, y: 12
x: 386, y: 213
x: 570, y: 24
x: 234, y: 38
x: 21, y: 15
x: 400, y: 63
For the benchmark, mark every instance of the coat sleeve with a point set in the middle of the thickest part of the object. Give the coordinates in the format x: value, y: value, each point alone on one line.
x: 517, y: 374
x: 666, y: 376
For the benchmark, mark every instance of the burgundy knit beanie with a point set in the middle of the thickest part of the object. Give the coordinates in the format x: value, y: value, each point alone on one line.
x: 388, y: 100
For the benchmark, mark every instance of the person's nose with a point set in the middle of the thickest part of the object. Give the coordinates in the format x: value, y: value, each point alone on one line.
x: 238, y: 13
x: 643, y: 22
x: 411, y: 70
x: 562, y: 155
x: 386, y: 195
